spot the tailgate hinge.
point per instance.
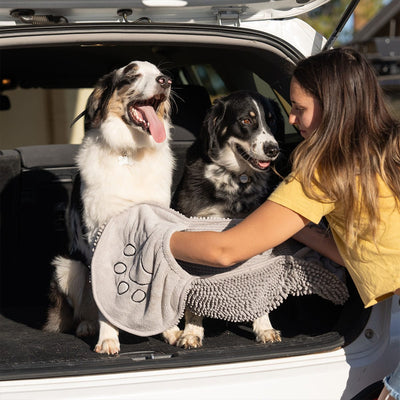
(124, 13)
(228, 15)
(28, 16)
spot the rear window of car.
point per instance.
(42, 107)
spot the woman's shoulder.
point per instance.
(290, 194)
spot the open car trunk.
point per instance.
(36, 180)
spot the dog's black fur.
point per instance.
(230, 186)
(79, 248)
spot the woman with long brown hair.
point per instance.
(347, 169)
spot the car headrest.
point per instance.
(189, 107)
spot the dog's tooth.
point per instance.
(138, 116)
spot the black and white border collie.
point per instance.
(124, 159)
(228, 173)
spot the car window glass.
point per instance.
(267, 91)
(47, 114)
(42, 116)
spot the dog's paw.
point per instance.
(190, 341)
(268, 336)
(108, 346)
(172, 335)
(87, 328)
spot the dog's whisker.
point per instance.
(174, 96)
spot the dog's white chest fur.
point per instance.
(112, 182)
(221, 179)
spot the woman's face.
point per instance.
(306, 112)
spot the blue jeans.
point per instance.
(392, 383)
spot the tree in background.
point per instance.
(365, 11)
(325, 18)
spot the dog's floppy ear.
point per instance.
(96, 107)
(212, 125)
(92, 116)
(274, 119)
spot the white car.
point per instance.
(51, 54)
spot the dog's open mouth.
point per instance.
(144, 114)
(255, 163)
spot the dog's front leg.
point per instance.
(172, 335)
(193, 334)
(108, 342)
(264, 331)
(87, 311)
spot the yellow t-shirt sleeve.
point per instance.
(290, 194)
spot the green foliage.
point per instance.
(325, 18)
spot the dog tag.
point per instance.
(243, 178)
(124, 160)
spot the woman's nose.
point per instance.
(292, 118)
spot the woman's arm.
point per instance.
(268, 226)
(319, 240)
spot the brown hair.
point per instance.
(357, 140)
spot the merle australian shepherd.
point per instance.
(124, 159)
(228, 173)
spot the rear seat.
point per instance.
(35, 183)
(189, 108)
(191, 103)
(10, 169)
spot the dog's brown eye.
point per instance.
(246, 121)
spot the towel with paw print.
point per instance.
(140, 288)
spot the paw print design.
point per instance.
(132, 275)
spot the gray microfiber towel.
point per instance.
(142, 289)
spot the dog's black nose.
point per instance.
(164, 81)
(271, 150)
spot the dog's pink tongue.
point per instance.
(263, 164)
(156, 127)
